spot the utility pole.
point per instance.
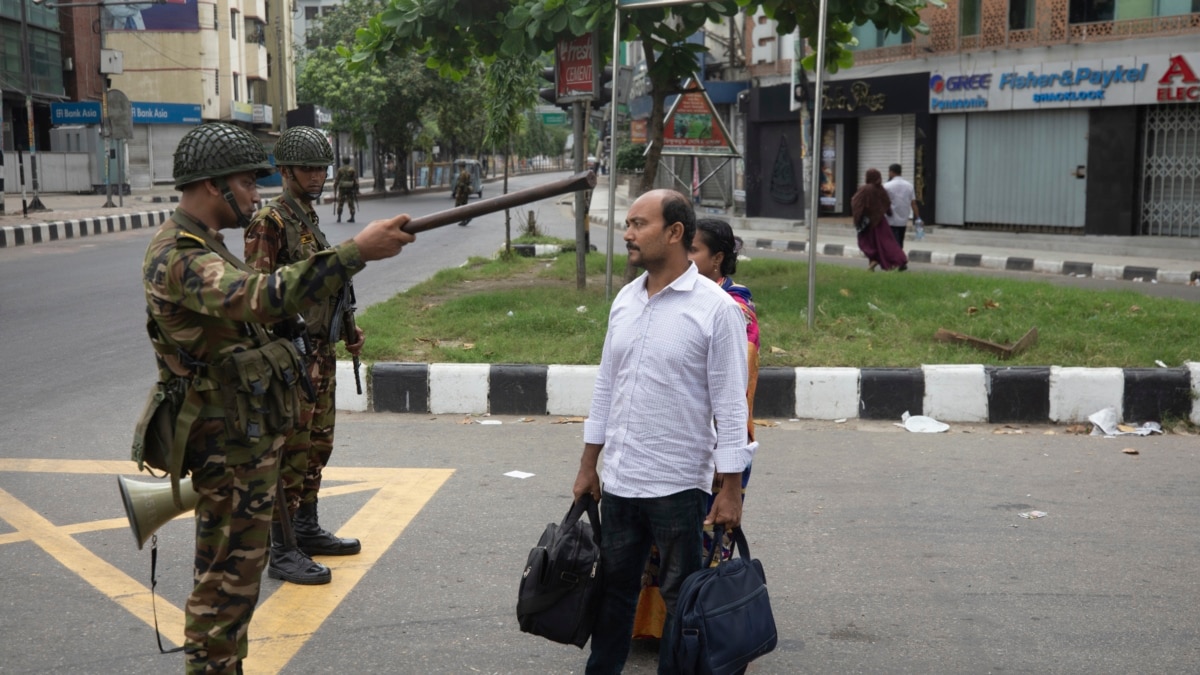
(280, 60)
(27, 68)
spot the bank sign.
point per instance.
(1131, 80)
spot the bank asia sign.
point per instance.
(1122, 81)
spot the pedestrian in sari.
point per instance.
(714, 252)
(870, 208)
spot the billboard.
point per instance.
(171, 15)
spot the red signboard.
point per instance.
(693, 127)
(576, 74)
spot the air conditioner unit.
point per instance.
(68, 64)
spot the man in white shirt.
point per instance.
(904, 203)
(674, 361)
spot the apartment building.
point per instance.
(1072, 116)
(178, 63)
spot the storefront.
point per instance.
(157, 130)
(866, 123)
(1100, 146)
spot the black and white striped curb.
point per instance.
(950, 393)
(38, 233)
(1005, 263)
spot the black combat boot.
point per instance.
(289, 563)
(314, 540)
(351, 218)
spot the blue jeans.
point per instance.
(629, 527)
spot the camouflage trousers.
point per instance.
(233, 528)
(306, 452)
(346, 197)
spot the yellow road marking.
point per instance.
(291, 614)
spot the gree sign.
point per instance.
(576, 69)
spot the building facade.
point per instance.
(177, 64)
(1073, 116)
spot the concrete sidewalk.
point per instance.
(1173, 260)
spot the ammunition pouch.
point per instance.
(259, 390)
(161, 435)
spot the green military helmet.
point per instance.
(217, 149)
(303, 146)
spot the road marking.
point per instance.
(285, 618)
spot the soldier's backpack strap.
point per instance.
(302, 214)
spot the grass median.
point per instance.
(524, 310)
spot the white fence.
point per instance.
(57, 172)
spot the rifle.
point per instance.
(296, 331)
(344, 325)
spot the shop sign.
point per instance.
(165, 113)
(81, 112)
(856, 97)
(1179, 83)
(241, 111)
(1141, 80)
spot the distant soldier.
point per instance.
(208, 314)
(345, 183)
(462, 189)
(283, 232)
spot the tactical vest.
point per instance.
(254, 389)
(320, 317)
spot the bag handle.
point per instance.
(739, 544)
(578, 507)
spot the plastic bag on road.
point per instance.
(922, 424)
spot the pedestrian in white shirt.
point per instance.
(904, 203)
(674, 361)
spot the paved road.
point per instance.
(886, 552)
(72, 319)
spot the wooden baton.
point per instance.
(585, 180)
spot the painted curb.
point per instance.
(24, 235)
(1135, 273)
(970, 393)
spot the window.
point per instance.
(1020, 14)
(233, 23)
(236, 89)
(1087, 11)
(969, 18)
(870, 37)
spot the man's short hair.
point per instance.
(894, 168)
(678, 209)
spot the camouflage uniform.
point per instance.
(345, 182)
(205, 305)
(277, 237)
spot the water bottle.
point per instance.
(920, 226)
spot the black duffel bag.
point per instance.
(723, 618)
(560, 590)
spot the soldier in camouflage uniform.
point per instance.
(207, 316)
(283, 232)
(345, 186)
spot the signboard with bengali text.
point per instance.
(693, 127)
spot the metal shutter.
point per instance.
(137, 172)
(1021, 168)
(164, 138)
(884, 140)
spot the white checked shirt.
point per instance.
(671, 363)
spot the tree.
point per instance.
(510, 90)
(452, 34)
